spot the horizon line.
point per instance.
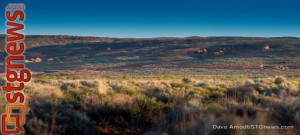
(197, 36)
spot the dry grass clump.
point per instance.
(280, 79)
(43, 90)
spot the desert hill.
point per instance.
(156, 56)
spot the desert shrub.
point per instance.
(263, 84)
(276, 90)
(106, 76)
(212, 89)
(251, 112)
(204, 85)
(288, 86)
(72, 96)
(240, 112)
(201, 90)
(127, 77)
(141, 113)
(53, 118)
(166, 77)
(285, 113)
(68, 86)
(148, 104)
(216, 92)
(123, 89)
(187, 80)
(184, 119)
(140, 85)
(242, 93)
(193, 94)
(181, 85)
(50, 80)
(89, 84)
(266, 92)
(40, 81)
(249, 82)
(79, 93)
(280, 79)
(159, 94)
(216, 95)
(295, 93)
(262, 100)
(131, 114)
(216, 108)
(89, 88)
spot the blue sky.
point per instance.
(160, 18)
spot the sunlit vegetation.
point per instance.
(163, 105)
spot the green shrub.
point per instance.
(68, 86)
(123, 89)
(159, 94)
(216, 95)
(149, 107)
(181, 85)
(72, 96)
(263, 100)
